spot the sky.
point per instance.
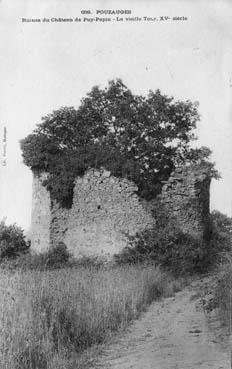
(46, 65)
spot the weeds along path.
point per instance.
(174, 333)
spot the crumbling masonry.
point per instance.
(107, 209)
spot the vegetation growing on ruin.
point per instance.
(142, 138)
(176, 251)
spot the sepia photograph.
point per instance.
(115, 184)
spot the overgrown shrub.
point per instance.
(175, 250)
(223, 292)
(221, 223)
(218, 248)
(166, 245)
(54, 258)
(181, 253)
(220, 245)
(12, 241)
(222, 252)
(58, 255)
(169, 247)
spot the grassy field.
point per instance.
(48, 319)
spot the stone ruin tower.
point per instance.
(107, 209)
(186, 198)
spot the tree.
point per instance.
(12, 241)
(142, 138)
(221, 222)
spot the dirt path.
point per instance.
(172, 334)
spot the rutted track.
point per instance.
(174, 333)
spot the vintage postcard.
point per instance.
(115, 174)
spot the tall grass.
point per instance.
(48, 318)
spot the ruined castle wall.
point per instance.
(41, 215)
(186, 199)
(105, 209)
(58, 223)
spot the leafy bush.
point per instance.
(218, 247)
(55, 258)
(222, 294)
(220, 243)
(221, 252)
(166, 245)
(169, 247)
(221, 223)
(12, 241)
